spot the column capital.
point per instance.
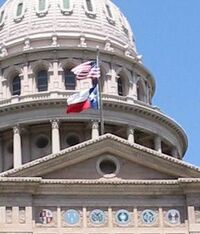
(130, 129)
(16, 129)
(95, 124)
(55, 123)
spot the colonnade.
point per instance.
(55, 135)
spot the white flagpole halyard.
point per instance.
(101, 117)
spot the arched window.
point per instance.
(140, 91)
(70, 79)
(109, 13)
(66, 4)
(16, 85)
(66, 7)
(2, 17)
(42, 80)
(41, 5)
(120, 86)
(89, 5)
(90, 8)
(19, 9)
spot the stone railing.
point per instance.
(65, 94)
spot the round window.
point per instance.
(108, 166)
(72, 140)
(42, 142)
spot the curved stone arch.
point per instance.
(103, 77)
(12, 71)
(39, 65)
(141, 89)
(68, 63)
(125, 77)
(126, 73)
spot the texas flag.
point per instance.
(83, 100)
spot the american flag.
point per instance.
(87, 70)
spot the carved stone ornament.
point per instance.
(55, 124)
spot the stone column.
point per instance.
(130, 134)
(1, 87)
(157, 144)
(1, 155)
(95, 129)
(24, 80)
(55, 136)
(134, 88)
(17, 149)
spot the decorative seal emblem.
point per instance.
(97, 217)
(173, 216)
(72, 217)
(122, 217)
(148, 216)
(46, 216)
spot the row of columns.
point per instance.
(55, 133)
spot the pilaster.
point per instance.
(55, 136)
(95, 129)
(17, 150)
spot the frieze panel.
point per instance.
(72, 217)
(148, 218)
(46, 216)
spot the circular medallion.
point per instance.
(71, 217)
(173, 216)
(97, 217)
(122, 217)
(46, 216)
(148, 216)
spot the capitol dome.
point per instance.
(41, 41)
(64, 24)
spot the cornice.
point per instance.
(110, 102)
(107, 137)
(39, 186)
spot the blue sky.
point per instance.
(167, 33)
(168, 36)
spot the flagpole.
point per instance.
(100, 98)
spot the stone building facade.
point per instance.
(58, 175)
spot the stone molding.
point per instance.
(111, 102)
(37, 185)
(132, 152)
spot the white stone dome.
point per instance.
(26, 24)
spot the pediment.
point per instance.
(80, 162)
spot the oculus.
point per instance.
(42, 141)
(108, 166)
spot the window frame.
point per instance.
(107, 7)
(42, 12)
(122, 93)
(64, 10)
(46, 78)
(16, 92)
(90, 13)
(18, 18)
(2, 20)
(65, 79)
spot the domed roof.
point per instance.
(66, 23)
